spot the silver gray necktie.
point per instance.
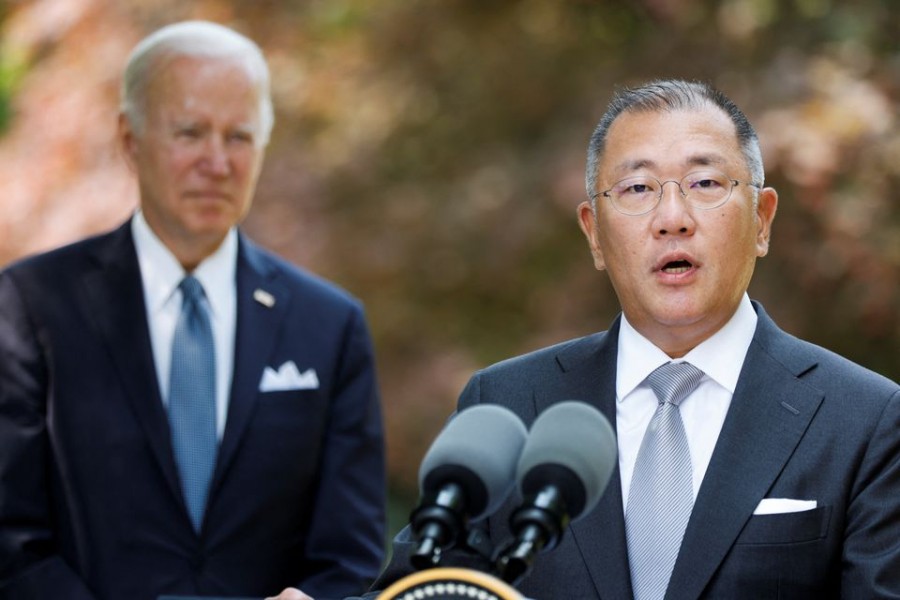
(661, 495)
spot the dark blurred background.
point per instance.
(428, 156)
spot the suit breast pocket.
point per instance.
(786, 528)
(291, 411)
(285, 434)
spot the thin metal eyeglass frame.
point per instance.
(734, 184)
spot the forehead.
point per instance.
(188, 84)
(670, 140)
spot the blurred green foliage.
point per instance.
(10, 72)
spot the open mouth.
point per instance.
(677, 266)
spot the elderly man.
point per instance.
(750, 464)
(182, 413)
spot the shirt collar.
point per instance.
(720, 357)
(161, 272)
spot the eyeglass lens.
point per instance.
(703, 189)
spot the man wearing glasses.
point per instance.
(751, 464)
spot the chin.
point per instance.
(210, 223)
(677, 308)
(675, 321)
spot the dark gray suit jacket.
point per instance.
(804, 423)
(90, 500)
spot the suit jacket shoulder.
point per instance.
(70, 260)
(575, 369)
(300, 281)
(816, 365)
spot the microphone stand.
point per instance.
(437, 523)
(538, 524)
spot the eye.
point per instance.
(634, 187)
(706, 181)
(189, 132)
(240, 137)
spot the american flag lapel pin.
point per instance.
(264, 298)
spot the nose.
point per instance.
(662, 187)
(216, 161)
(673, 215)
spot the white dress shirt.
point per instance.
(721, 358)
(161, 273)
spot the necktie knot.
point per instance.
(673, 382)
(191, 289)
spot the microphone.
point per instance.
(466, 474)
(565, 466)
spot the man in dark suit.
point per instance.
(108, 489)
(792, 484)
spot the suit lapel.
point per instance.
(114, 283)
(589, 374)
(262, 304)
(770, 411)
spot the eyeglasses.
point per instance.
(702, 189)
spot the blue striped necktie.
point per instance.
(192, 399)
(661, 496)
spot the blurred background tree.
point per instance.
(428, 156)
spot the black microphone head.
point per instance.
(477, 450)
(571, 446)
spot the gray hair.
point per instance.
(195, 39)
(672, 94)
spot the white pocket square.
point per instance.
(778, 506)
(288, 377)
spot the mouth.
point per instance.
(676, 267)
(676, 263)
(214, 194)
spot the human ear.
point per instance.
(127, 140)
(766, 206)
(587, 220)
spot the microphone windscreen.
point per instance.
(478, 450)
(572, 446)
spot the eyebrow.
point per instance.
(249, 128)
(696, 160)
(243, 127)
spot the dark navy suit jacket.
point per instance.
(90, 504)
(804, 423)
